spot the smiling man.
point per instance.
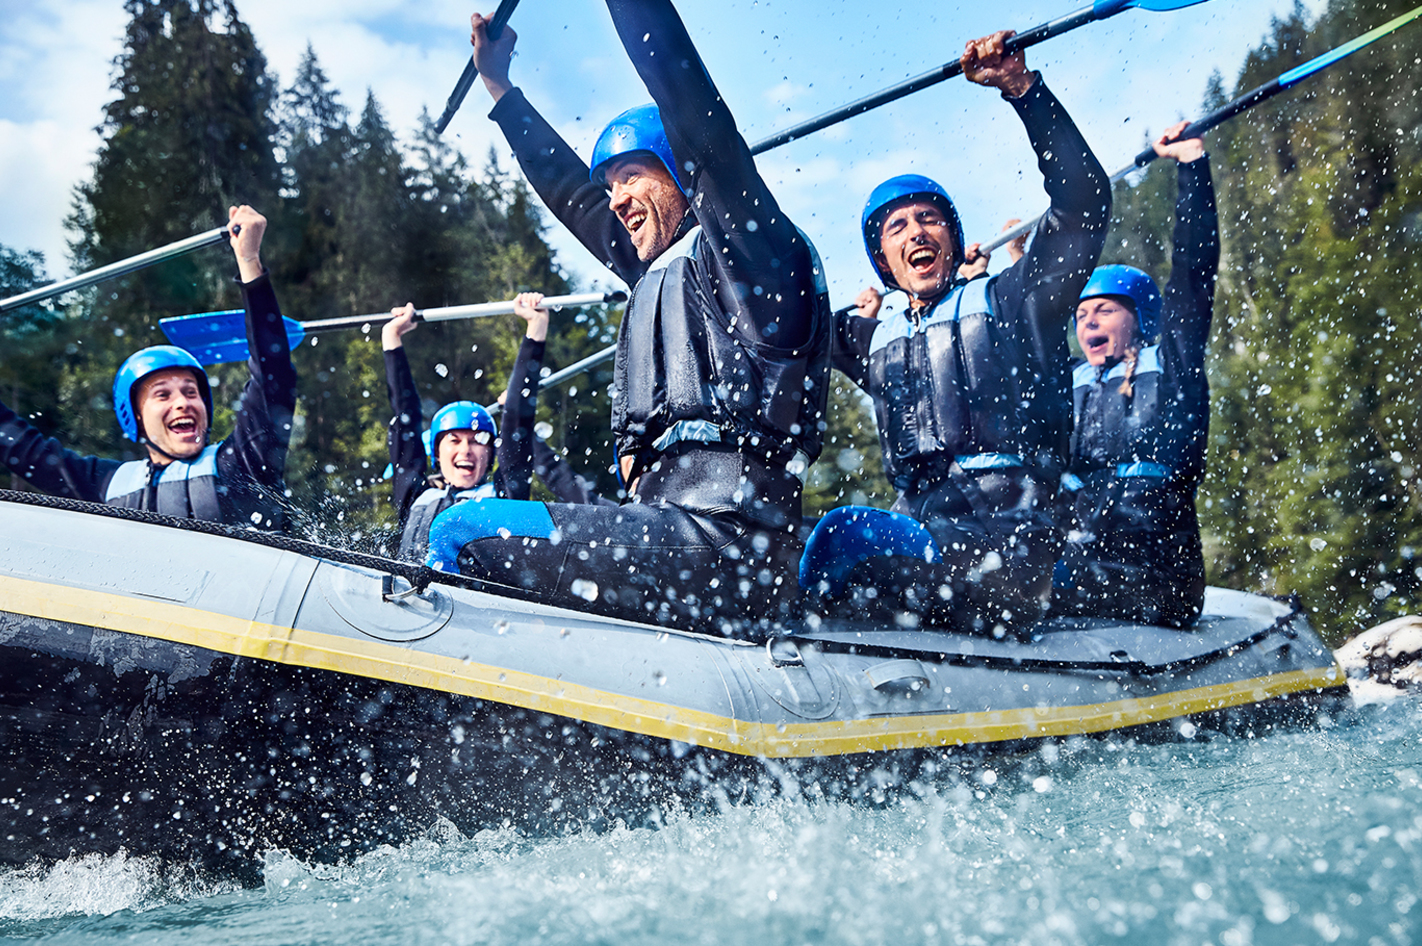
(164, 403)
(971, 384)
(722, 356)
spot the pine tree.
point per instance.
(1312, 484)
(187, 136)
(36, 339)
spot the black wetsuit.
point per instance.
(722, 363)
(970, 395)
(1134, 549)
(417, 499)
(238, 481)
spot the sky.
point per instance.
(776, 62)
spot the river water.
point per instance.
(1297, 837)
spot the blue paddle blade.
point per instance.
(219, 338)
(1105, 8)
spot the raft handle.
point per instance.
(783, 653)
(907, 675)
(388, 592)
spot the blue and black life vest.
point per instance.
(195, 489)
(185, 489)
(684, 373)
(954, 385)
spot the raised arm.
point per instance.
(257, 447)
(1071, 235)
(769, 264)
(515, 468)
(1195, 259)
(407, 447)
(554, 169)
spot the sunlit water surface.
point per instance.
(1307, 837)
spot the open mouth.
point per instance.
(634, 220)
(1097, 344)
(466, 466)
(183, 427)
(922, 258)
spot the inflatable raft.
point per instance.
(173, 687)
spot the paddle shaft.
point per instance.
(121, 268)
(1243, 103)
(564, 374)
(450, 313)
(471, 72)
(943, 73)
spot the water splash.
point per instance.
(1301, 837)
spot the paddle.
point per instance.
(471, 72)
(564, 374)
(554, 379)
(1246, 101)
(122, 268)
(1099, 10)
(216, 338)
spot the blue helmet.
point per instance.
(459, 415)
(139, 366)
(637, 129)
(907, 187)
(1134, 285)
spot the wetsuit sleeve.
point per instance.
(48, 465)
(768, 265)
(1041, 289)
(255, 454)
(407, 447)
(515, 471)
(1190, 296)
(850, 347)
(560, 178)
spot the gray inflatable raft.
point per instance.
(174, 689)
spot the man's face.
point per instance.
(647, 201)
(171, 414)
(464, 457)
(1105, 329)
(916, 247)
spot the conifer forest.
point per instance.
(1314, 464)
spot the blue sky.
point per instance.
(775, 61)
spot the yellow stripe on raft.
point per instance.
(386, 662)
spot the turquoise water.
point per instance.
(1305, 837)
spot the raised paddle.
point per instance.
(216, 338)
(121, 268)
(1246, 101)
(1099, 10)
(471, 71)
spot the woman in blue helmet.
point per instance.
(164, 403)
(969, 387)
(464, 441)
(1142, 417)
(722, 356)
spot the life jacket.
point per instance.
(953, 388)
(185, 489)
(414, 541)
(683, 374)
(1136, 459)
